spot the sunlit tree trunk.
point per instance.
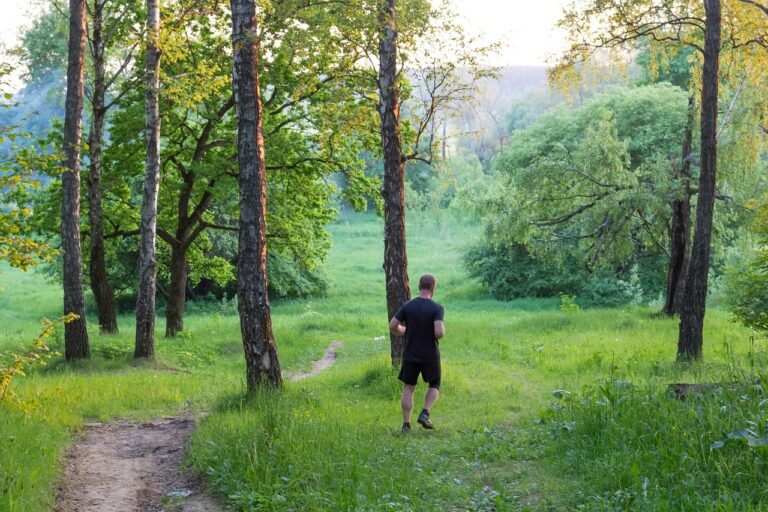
(262, 365)
(75, 332)
(395, 256)
(145, 305)
(102, 290)
(690, 342)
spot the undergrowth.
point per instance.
(643, 444)
(614, 440)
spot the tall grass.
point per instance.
(332, 442)
(636, 447)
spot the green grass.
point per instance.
(503, 442)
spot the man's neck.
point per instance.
(425, 294)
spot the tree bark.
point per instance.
(75, 332)
(190, 225)
(690, 342)
(145, 305)
(395, 255)
(174, 312)
(262, 365)
(102, 290)
(680, 225)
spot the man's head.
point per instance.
(427, 283)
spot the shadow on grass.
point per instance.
(249, 401)
(100, 364)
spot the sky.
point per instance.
(526, 28)
(14, 15)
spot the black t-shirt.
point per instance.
(419, 316)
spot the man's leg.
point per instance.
(430, 397)
(406, 402)
(432, 375)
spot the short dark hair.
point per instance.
(427, 282)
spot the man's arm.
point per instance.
(396, 326)
(439, 329)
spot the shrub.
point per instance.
(511, 272)
(14, 364)
(746, 293)
(289, 279)
(746, 288)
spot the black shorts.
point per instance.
(429, 370)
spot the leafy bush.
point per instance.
(289, 279)
(511, 272)
(746, 288)
(568, 304)
(14, 364)
(746, 293)
(609, 289)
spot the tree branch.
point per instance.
(202, 142)
(728, 113)
(760, 6)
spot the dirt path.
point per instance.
(134, 467)
(131, 467)
(321, 364)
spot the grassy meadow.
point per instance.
(541, 409)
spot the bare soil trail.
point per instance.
(321, 364)
(125, 466)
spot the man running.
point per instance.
(420, 320)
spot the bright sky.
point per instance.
(527, 28)
(14, 15)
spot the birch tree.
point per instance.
(145, 304)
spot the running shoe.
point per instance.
(424, 420)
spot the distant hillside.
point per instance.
(513, 83)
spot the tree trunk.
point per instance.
(690, 342)
(680, 225)
(680, 253)
(102, 290)
(261, 360)
(145, 305)
(190, 225)
(75, 332)
(395, 256)
(174, 313)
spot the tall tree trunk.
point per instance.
(75, 332)
(262, 365)
(689, 345)
(102, 290)
(395, 256)
(680, 225)
(174, 312)
(189, 224)
(145, 305)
